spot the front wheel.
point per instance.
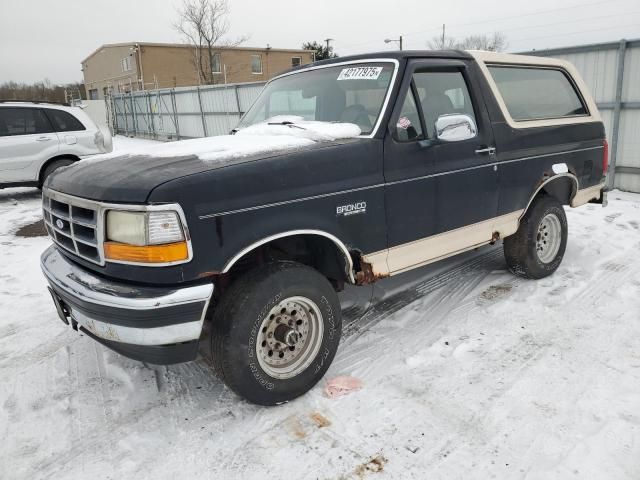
(536, 249)
(275, 332)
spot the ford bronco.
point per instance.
(341, 173)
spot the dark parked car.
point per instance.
(342, 173)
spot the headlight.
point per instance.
(145, 237)
(127, 227)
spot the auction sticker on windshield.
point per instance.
(360, 73)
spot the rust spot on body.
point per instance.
(366, 275)
(208, 274)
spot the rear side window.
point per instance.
(537, 93)
(23, 121)
(64, 121)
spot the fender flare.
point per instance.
(337, 242)
(546, 182)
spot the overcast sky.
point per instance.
(48, 38)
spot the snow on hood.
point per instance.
(293, 126)
(257, 139)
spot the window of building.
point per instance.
(296, 61)
(216, 64)
(537, 93)
(126, 63)
(23, 121)
(63, 121)
(256, 64)
(93, 94)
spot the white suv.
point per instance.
(37, 138)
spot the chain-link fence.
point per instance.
(180, 113)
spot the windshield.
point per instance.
(351, 93)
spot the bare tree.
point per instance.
(204, 24)
(495, 42)
(43, 91)
(442, 43)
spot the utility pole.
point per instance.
(443, 29)
(328, 40)
(400, 42)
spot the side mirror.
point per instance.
(455, 127)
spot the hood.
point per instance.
(131, 176)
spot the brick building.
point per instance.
(123, 67)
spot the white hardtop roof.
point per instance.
(514, 58)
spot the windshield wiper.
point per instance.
(287, 123)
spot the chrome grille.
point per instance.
(73, 224)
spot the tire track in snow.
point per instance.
(356, 327)
(442, 295)
(43, 352)
(617, 271)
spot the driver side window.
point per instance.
(442, 93)
(409, 126)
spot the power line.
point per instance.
(530, 14)
(578, 32)
(599, 17)
(493, 20)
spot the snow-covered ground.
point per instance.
(474, 375)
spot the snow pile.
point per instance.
(216, 149)
(263, 138)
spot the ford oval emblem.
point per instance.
(59, 223)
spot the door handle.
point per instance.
(489, 150)
(43, 139)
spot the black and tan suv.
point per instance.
(342, 173)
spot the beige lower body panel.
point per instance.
(421, 252)
(587, 194)
(431, 249)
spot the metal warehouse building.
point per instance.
(612, 71)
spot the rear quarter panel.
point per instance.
(527, 151)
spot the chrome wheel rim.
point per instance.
(290, 337)
(548, 238)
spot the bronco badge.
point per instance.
(351, 209)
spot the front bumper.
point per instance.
(159, 325)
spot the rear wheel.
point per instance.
(537, 248)
(275, 332)
(53, 166)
